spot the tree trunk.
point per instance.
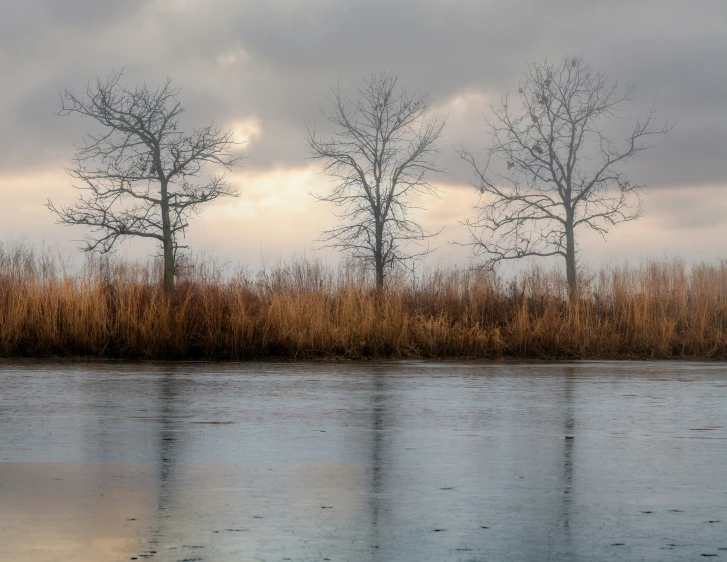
(168, 241)
(379, 257)
(168, 262)
(379, 267)
(379, 276)
(570, 263)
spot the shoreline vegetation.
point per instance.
(665, 309)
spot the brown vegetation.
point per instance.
(110, 309)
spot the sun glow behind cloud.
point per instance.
(245, 131)
(233, 57)
(276, 216)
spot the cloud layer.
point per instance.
(262, 67)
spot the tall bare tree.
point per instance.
(557, 170)
(381, 150)
(141, 175)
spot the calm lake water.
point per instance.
(410, 461)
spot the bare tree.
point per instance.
(141, 176)
(558, 169)
(381, 151)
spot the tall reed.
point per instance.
(659, 309)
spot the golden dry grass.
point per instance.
(663, 309)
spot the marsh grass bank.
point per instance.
(109, 309)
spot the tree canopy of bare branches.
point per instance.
(142, 175)
(557, 170)
(380, 153)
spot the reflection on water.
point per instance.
(381, 462)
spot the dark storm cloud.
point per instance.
(274, 59)
(26, 24)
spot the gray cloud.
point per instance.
(28, 27)
(689, 209)
(274, 59)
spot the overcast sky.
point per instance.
(262, 67)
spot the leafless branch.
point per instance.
(382, 149)
(141, 176)
(559, 170)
